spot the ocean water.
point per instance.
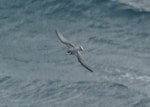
(35, 72)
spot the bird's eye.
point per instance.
(68, 51)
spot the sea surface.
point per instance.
(35, 72)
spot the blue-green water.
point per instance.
(35, 72)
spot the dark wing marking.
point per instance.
(82, 62)
(63, 40)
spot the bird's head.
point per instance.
(81, 48)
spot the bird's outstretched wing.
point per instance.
(63, 40)
(82, 62)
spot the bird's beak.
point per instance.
(66, 53)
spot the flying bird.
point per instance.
(73, 50)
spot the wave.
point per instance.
(3, 79)
(119, 7)
(93, 9)
(57, 92)
(74, 10)
(129, 8)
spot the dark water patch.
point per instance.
(104, 41)
(13, 4)
(120, 91)
(119, 9)
(118, 86)
(65, 9)
(3, 79)
(143, 35)
(123, 9)
(15, 59)
(145, 102)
